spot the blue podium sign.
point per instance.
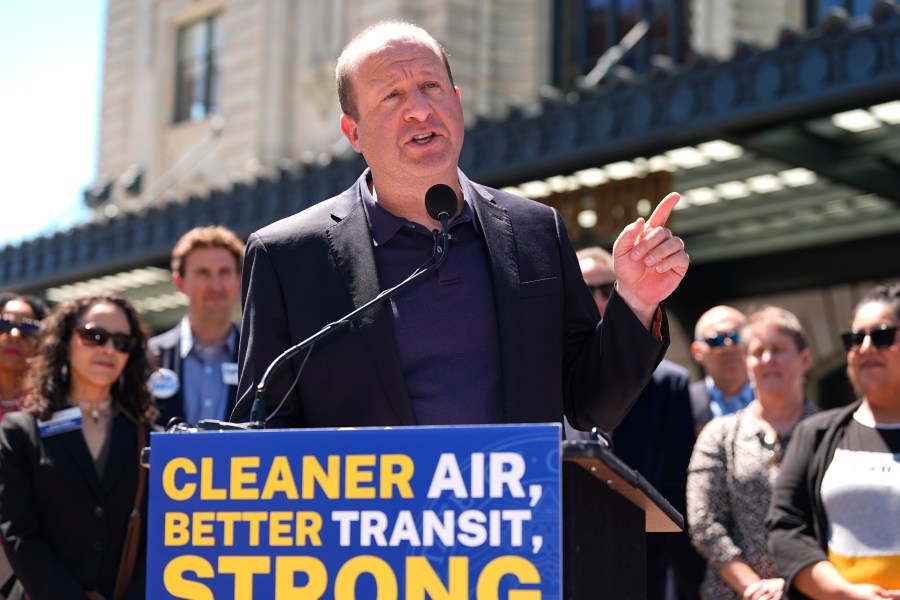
(415, 513)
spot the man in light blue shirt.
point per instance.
(204, 374)
(717, 348)
(197, 378)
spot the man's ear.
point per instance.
(806, 359)
(458, 93)
(178, 280)
(350, 130)
(696, 351)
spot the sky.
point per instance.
(50, 70)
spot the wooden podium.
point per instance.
(607, 510)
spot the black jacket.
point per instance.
(797, 523)
(63, 527)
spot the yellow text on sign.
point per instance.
(421, 580)
(354, 476)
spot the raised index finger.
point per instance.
(663, 210)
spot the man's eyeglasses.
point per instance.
(882, 336)
(28, 328)
(719, 339)
(97, 336)
(604, 288)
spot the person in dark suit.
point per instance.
(505, 331)
(655, 438)
(67, 492)
(725, 389)
(197, 359)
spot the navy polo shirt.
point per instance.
(445, 325)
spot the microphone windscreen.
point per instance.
(439, 199)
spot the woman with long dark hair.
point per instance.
(69, 461)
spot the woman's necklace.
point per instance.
(7, 404)
(95, 408)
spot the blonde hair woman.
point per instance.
(737, 458)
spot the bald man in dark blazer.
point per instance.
(504, 332)
(310, 269)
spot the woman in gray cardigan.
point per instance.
(737, 457)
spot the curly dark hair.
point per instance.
(45, 387)
(37, 305)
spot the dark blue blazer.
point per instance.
(310, 269)
(700, 403)
(656, 437)
(165, 349)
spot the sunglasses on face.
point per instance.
(604, 288)
(719, 339)
(97, 336)
(882, 336)
(28, 328)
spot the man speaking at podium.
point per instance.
(505, 331)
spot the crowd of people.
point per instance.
(780, 501)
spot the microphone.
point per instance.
(440, 202)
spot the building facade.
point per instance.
(197, 94)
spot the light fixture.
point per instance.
(659, 163)
(702, 195)
(720, 150)
(535, 189)
(643, 207)
(798, 177)
(560, 184)
(621, 170)
(587, 218)
(889, 112)
(855, 120)
(732, 190)
(687, 158)
(591, 177)
(764, 184)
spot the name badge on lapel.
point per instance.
(61, 421)
(229, 373)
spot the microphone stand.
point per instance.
(258, 409)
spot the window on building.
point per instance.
(197, 79)
(585, 29)
(855, 8)
(817, 10)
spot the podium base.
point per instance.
(604, 543)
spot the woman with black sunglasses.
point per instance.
(69, 461)
(20, 328)
(834, 523)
